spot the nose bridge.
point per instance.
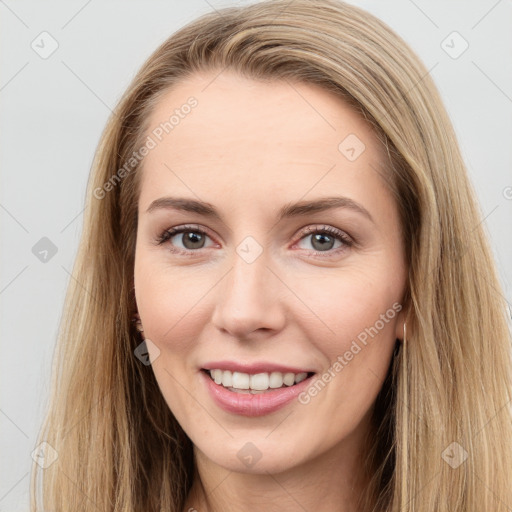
(247, 300)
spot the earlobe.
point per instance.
(400, 326)
(138, 324)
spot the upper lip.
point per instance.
(253, 368)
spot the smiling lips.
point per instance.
(253, 402)
(259, 376)
(264, 379)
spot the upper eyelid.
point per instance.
(314, 228)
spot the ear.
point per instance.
(138, 324)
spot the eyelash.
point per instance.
(166, 235)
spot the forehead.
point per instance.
(246, 136)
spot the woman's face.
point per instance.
(288, 261)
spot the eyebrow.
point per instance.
(289, 210)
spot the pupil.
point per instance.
(322, 239)
(193, 240)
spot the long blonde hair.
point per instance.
(119, 446)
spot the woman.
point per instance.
(285, 297)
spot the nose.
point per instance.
(248, 299)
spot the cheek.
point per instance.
(169, 304)
(170, 309)
(361, 308)
(356, 338)
(345, 306)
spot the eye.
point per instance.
(323, 239)
(190, 237)
(326, 238)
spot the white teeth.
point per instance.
(240, 380)
(255, 382)
(300, 377)
(289, 379)
(217, 376)
(276, 380)
(258, 382)
(227, 378)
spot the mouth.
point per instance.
(256, 383)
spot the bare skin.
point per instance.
(249, 148)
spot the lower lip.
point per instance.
(247, 404)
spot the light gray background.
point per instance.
(53, 111)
